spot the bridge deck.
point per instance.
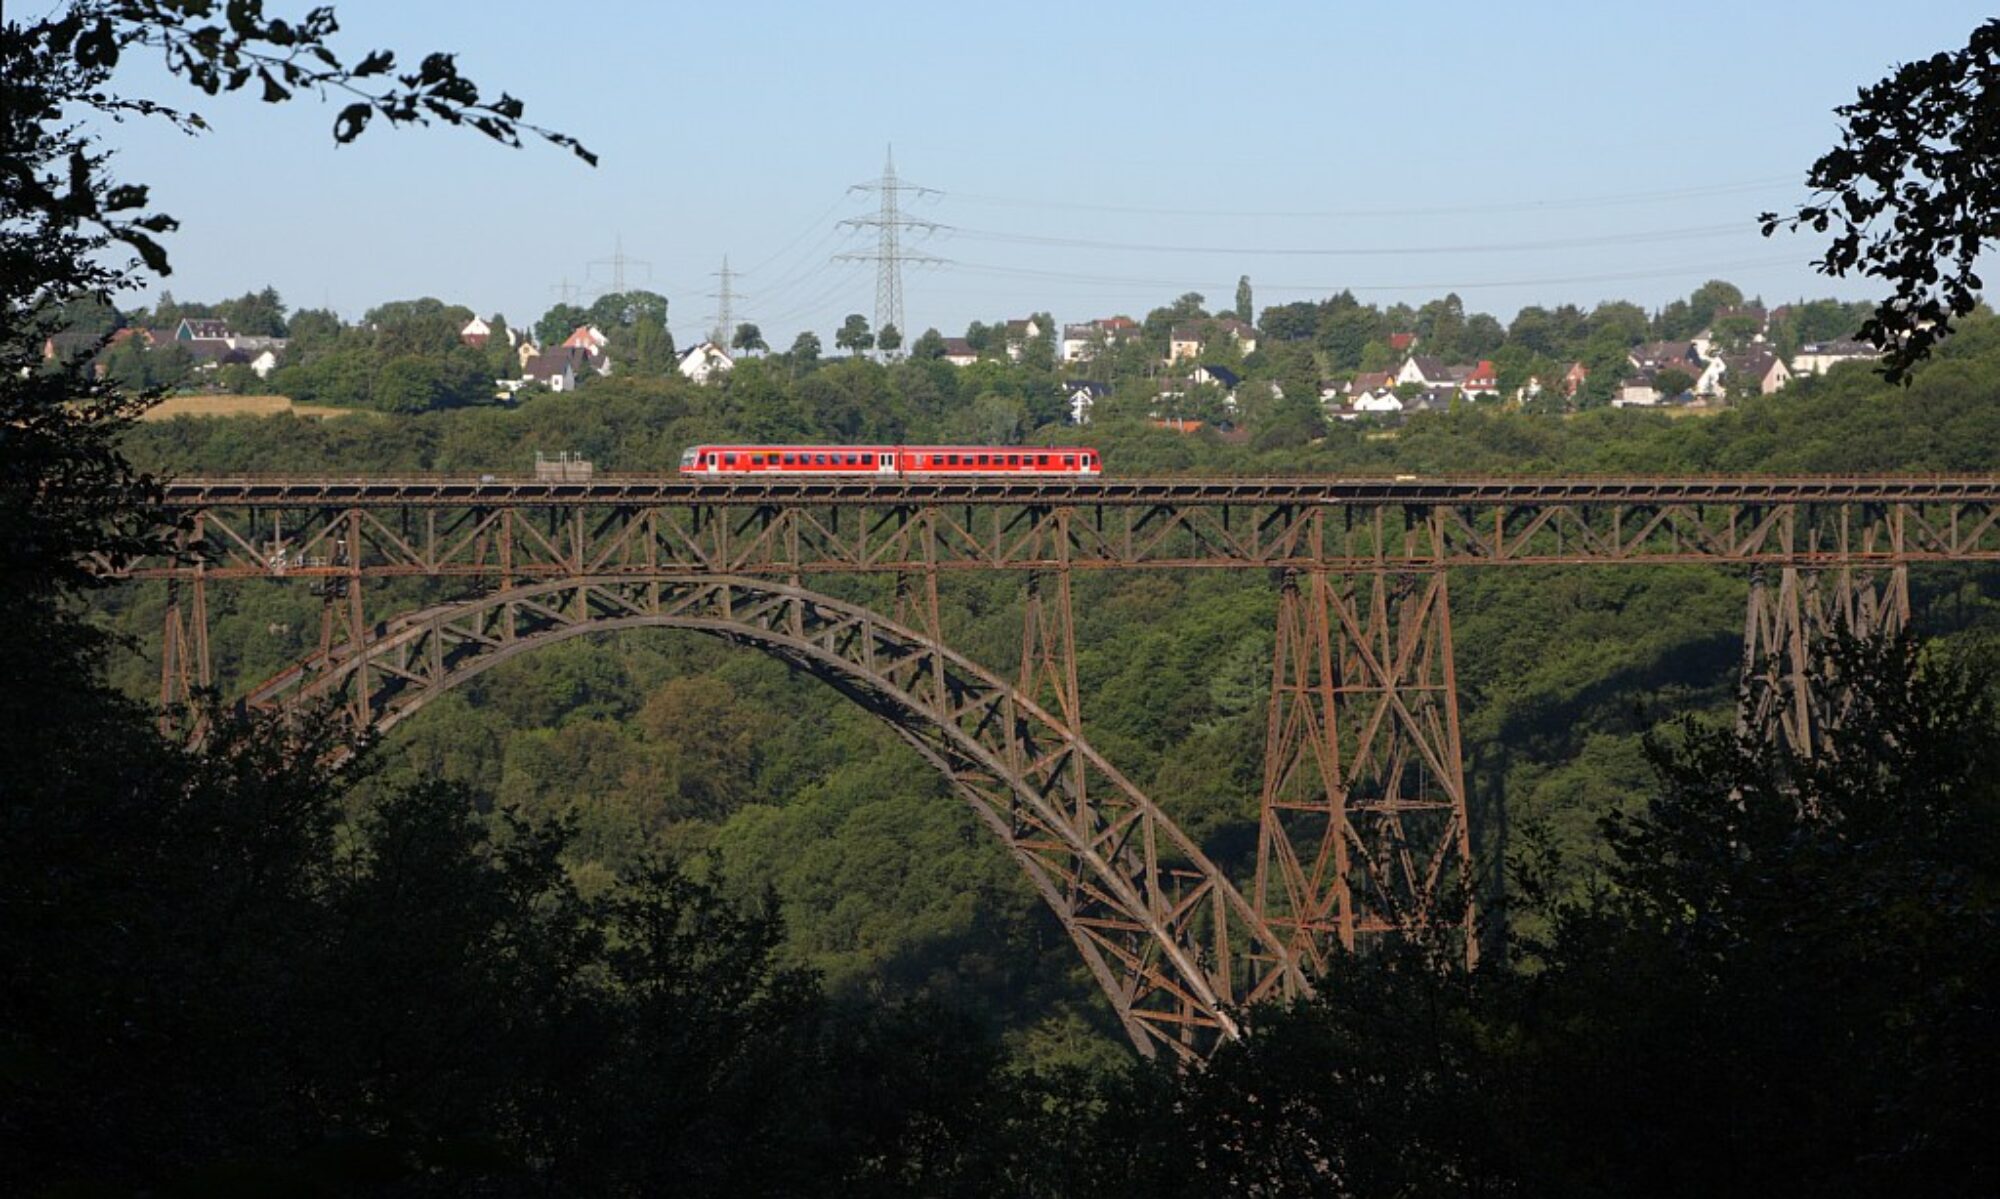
(626, 490)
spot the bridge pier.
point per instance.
(1785, 695)
(1363, 810)
(185, 666)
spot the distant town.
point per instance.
(1179, 365)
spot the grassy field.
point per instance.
(220, 405)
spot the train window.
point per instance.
(849, 460)
(729, 460)
(1013, 460)
(867, 459)
(788, 459)
(819, 459)
(951, 459)
(1069, 459)
(1042, 460)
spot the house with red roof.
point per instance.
(1482, 382)
(1081, 341)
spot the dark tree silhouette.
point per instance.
(1912, 194)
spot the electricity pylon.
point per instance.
(889, 256)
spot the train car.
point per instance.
(916, 460)
(790, 460)
(998, 460)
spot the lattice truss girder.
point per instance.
(558, 541)
(1164, 932)
(1364, 826)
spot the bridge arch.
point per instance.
(1171, 941)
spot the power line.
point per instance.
(817, 223)
(1029, 273)
(807, 305)
(1556, 205)
(812, 265)
(1689, 233)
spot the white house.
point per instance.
(1636, 392)
(705, 361)
(1080, 342)
(1708, 383)
(1757, 369)
(1218, 376)
(1424, 371)
(1376, 403)
(475, 333)
(959, 352)
(1368, 381)
(1185, 340)
(1020, 333)
(555, 370)
(1243, 335)
(1817, 358)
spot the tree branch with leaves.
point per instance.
(1912, 194)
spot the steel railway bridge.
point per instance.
(1364, 828)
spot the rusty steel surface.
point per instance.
(1365, 817)
(1162, 930)
(1789, 694)
(1364, 822)
(515, 530)
(613, 490)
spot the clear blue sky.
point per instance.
(1092, 158)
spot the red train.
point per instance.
(890, 460)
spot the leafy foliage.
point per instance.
(1911, 195)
